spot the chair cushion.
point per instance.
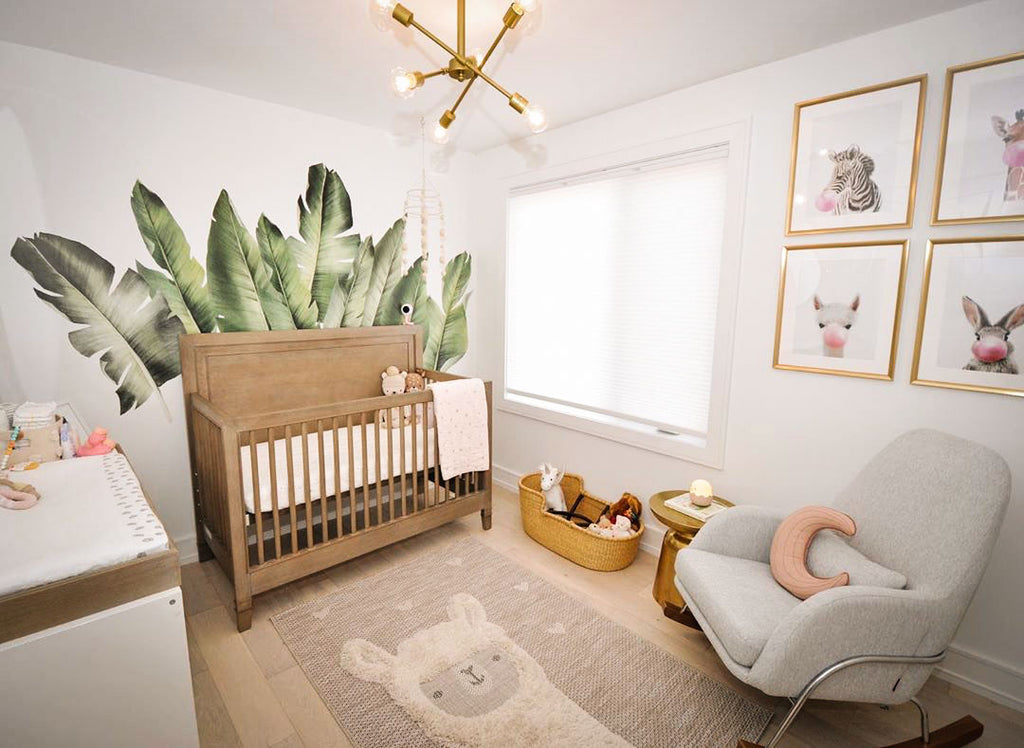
(739, 599)
(830, 555)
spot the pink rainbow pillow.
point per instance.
(793, 540)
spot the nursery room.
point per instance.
(512, 373)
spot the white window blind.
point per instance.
(612, 290)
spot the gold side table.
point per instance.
(681, 530)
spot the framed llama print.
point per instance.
(972, 315)
(981, 153)
(839, 308)
(854, 159)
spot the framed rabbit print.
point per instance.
(854, 159)
(980, 177)
(971, 321)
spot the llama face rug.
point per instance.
(458, 645)
(466, 683)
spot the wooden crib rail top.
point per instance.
(287, 370)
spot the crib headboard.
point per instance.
(264, 372)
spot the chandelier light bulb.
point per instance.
(536, 118)
(528, 6)
(403, 83)
(441, 135)
(384, 7)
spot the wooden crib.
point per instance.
(294, 466)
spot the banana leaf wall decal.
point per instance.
(138, 335)
(326, 278)
(240, 285)
(184, 290)
(284, 274)
(448, 328)
(323, 254)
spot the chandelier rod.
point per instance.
(481, 63)
(410, 21)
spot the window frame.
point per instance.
(709, 451)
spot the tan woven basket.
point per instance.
(578, 544)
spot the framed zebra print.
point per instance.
(855, 157)
(972, 316)
(839, 308)
(980, 176)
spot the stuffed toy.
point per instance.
(628, 506)
(414, 382)
(17, 495)
(551, 487)
(98, 443)
(392, 382)
(604, 527)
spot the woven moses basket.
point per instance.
(578, 544)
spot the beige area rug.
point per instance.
(461, 646)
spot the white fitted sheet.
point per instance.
(299, 486)
(91, 514)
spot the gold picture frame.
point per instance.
(908, 219)
(889, 369)
(922, 315)
(940, 169)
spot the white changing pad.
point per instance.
(91, 514)
(281, 463)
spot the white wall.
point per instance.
(793, 438)
(74, 137)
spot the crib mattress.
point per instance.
(392, 469)
(91, 514)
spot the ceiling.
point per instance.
(575, 57)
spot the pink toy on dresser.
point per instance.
(97, 444)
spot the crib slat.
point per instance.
(426, 461)
(256, 503)
(366, 472)
(337, 481)
(403, 500)
(323, 480)
(273, 493)
(415, 470)
(391, 474)
(307, 493)
(376, 463)
(351, 478)
(289, 461)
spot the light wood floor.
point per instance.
(250, 691)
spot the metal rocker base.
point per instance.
(962, 732)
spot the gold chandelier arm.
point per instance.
(481, 63)
(461, 58)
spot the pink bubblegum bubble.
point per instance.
(989, 350)
(1013, 156)
(825, 201)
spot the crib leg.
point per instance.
(485, 517)
(243, 615)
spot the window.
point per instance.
(613, 294)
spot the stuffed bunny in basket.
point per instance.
(551, 487)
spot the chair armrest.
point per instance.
(740, 532)
(845, 622)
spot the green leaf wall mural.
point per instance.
(325, 277)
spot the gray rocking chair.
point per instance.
(929, 506)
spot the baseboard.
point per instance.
(984, 675)
(188, 552)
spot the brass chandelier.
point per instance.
(462, 67)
